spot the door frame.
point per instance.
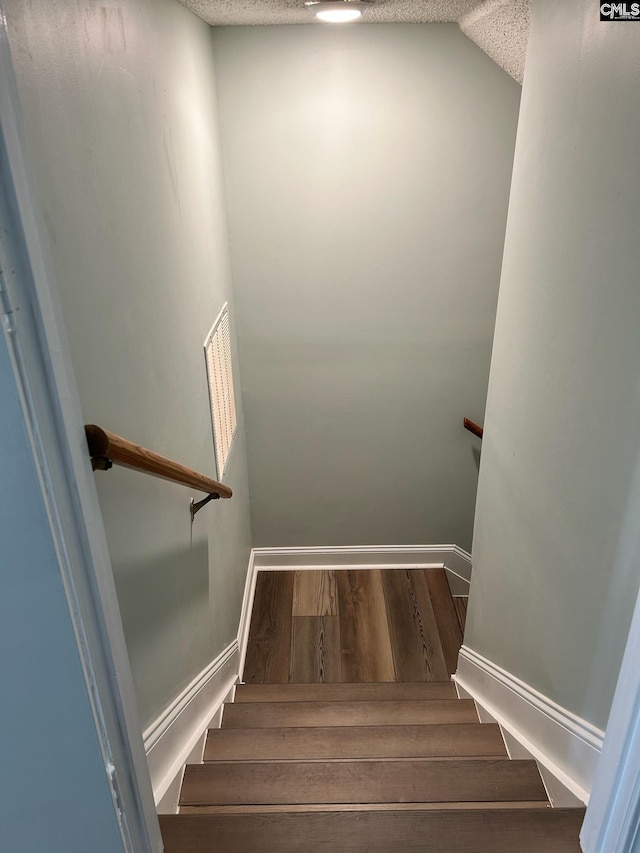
(612, 822)
(33, 328)
(34, 331)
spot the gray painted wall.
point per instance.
(367, 173)
(556, 548)
(120, 110)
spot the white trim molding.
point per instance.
(453, 559)
(613, 815)
(174, 736)
(457, 565)
(245, 613)
(565, 744)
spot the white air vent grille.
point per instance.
(217, 349)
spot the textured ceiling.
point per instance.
(501, 30)
(499, 27)
(230, 12)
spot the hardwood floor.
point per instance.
(377, 625)
(269, 646)
(460, 603)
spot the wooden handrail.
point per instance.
(474, 428)
(105, 445)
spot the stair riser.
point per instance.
(288, 808)
(455, 780)
(291, 714)
(474, 739)
(395, 691)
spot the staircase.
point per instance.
(362, 767)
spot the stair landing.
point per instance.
(353, 626)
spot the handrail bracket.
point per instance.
(101, 463)
(196, 506)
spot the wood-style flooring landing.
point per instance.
(374, 625)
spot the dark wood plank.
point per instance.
(315, 652)
(364, 632)
(445, 615)
(460, 603)
(249, 715)
(269, 646)
(416, 831)
(314, 593)
(405, 781)
(423, 690)
(415, 642)
(435, 741)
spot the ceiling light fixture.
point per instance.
(338, 11)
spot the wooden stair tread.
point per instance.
(345, 781)
(361, 713)
(460, 739)
(345, 691)
(288, 808)
(450, 830)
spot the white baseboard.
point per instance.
(176, 736)
(565, 744)
(458, 568)
(245, 613)
(455, 561)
